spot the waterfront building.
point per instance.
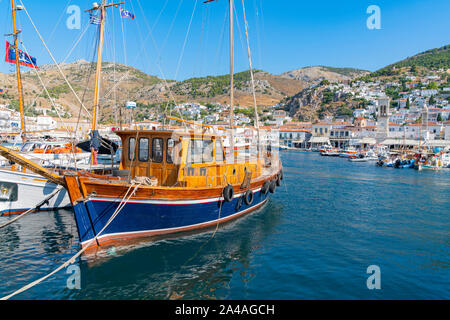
(383, 118)
(294, 137)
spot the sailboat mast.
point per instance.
(231, 79)
(19, 78)
(99, 65)
(231, 65)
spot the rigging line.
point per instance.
(59, 21)
(57, 65)
(158, 64)
(208, 14)
(46, 91)
(159, 15)
(239, 28)
(251, 70)
(124, 48)
(76, 43)
(221, 200)
(258, 33)
(263, 31)
(170, 28)
(218, 57)
(185, 40)
(199, 49)
(90, 72)
(122, 204)
(114, 67)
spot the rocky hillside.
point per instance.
(315, 103)
(314, 75)
(137, 86)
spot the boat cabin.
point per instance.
(184, 159)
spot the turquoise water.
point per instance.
(325, 225)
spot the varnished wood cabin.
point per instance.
(184, 159)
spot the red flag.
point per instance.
(24, 59)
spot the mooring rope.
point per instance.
(32, 209)
(122, 204)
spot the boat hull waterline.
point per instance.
(146, 218)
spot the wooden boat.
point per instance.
(190, 184)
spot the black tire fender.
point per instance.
(228, 193)
(248, 197)
(273, 186)
(265, 187)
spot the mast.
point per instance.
(231, 77)
(97, 90)
(95, 138)
(231, 65)
(99, 65)
(19, 78)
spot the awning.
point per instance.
(437, 143)
(366, 140)
(299, 141)
(319, 140)
(400, 142)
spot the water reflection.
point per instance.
(197, 266)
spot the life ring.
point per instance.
(273, 186)
(228, 193)
(248, 197)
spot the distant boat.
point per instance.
(330, 153)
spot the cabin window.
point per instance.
(157, 150)
(143, 149)
(219, 151)
(200, 151)
(132, 149)
(170, 150)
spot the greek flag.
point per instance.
(93, 19)
(126, 14)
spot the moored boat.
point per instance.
(190, 184)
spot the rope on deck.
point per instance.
(122, 204)
(37, 207)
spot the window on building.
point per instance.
(157, 150)
(143, 149)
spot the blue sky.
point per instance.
(284, 35)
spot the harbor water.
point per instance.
(329, 221)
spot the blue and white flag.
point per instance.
(126, 14)
(93, 19)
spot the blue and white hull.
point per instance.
(146, 218)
